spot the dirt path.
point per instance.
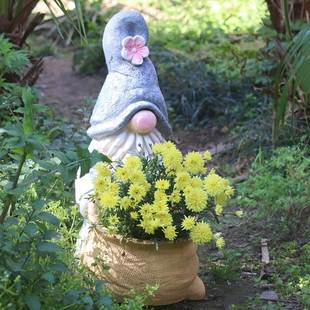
(66, 91)
(63, 89)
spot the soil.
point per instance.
(66, 91)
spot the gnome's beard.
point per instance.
(125, 143)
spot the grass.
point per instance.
(276, 198)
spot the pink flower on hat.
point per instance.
(134, 49)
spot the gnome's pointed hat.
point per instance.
(131, 84)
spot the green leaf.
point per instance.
(303, 75)
(106, 301)
(49, 277)
(59, 267)
(51, 234)
(31, 229)
(96, 157)
(88, 301)
(11, 221)
(38, 204)
(14, 266)
(48, 247)
(29, 100)
(33, 302)
(99, 285)
(49, 218)
(281, 106)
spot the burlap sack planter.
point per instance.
(132, 264)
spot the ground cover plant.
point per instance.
(276, 198)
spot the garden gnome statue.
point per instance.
(130, 113)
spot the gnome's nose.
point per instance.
(143, 122)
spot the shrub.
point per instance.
(38, 164)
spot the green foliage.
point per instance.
(90, 59)
(39, 158)
(194, 94)
(11, 60)
(12, 63)
(279, 188)
(192, 25)
(226, 267)
(275, 198)
(292, 275)
(293, 79)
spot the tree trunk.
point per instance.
(298, 10)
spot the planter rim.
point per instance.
(103, 230)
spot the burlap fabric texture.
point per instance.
(132, 264)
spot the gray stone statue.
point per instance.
(130, 113)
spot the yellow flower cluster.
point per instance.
(154, 201)
(219, 240)
(201, 233)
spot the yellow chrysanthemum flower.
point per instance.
(220, 242)
(162, 184)
(136, 192)
(146, 209)
(165, 219)
(155, 223)
(100, 184)
(175, 196)
(102, 169)
(168, 145)
(201, 233)
(136, 176)
(188, 222)
(113, 220)
(214, 184)
(218, 210)
(196, 199)
(239, 213)
(122, 174)
(112, 187)
(160, 197)
(196, 182)
(147, 227)
(170, 232)
(158, 148)
(229, 191)
(207, 155)
(194, 163)
(182, 180)
(134, 215)
(108, 200)
(125, 203)
(133, 162)
(112, 230)
(159, 207)
(172, 160)
(221, 198)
